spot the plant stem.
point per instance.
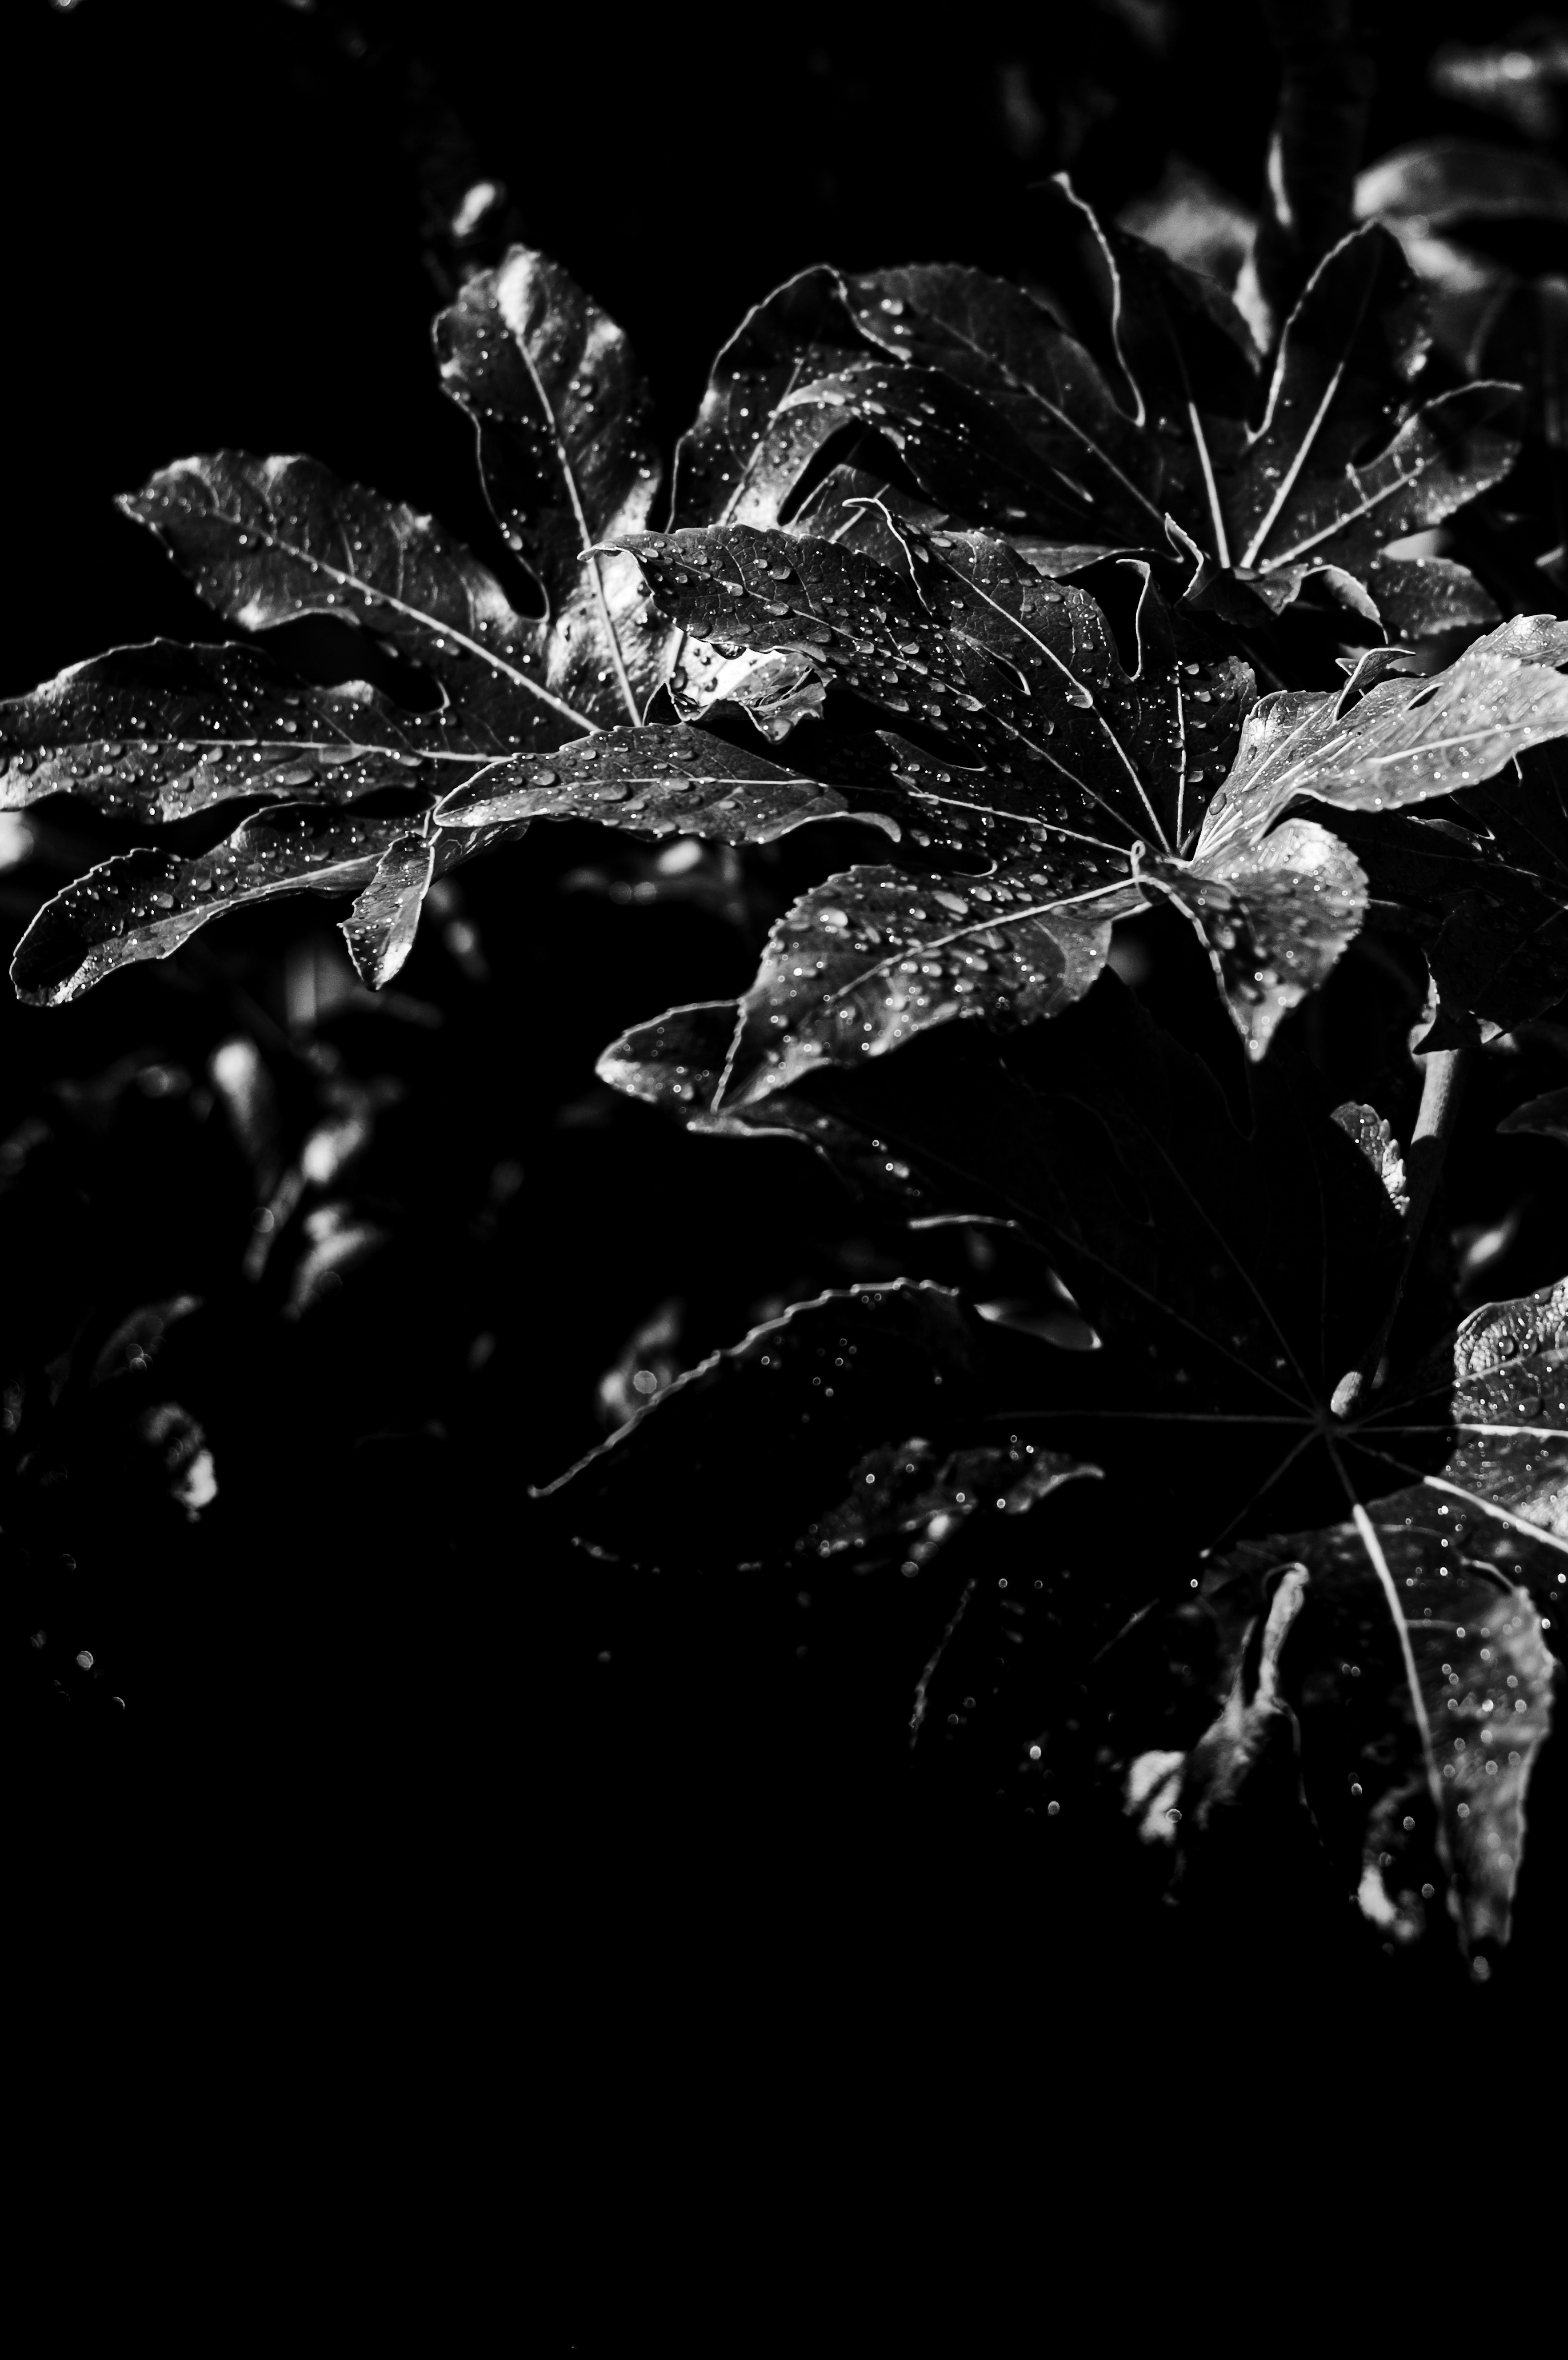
(1442, 1080)
(1325, 95)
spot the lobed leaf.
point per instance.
(1404, 741)
(561, 412)
(655, 781)
(144, 904)
(263, 540)
(159, 731)
(998, 342)
(738, 1459)
(1422, 1613)
(747, 454)
(872, 957)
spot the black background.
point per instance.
(366, 1716)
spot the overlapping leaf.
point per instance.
(747, 454)
(1422, 1613)
(1068, 789)
(159, 731)
(567, 461)
(696, 1478)
(1003, 416)
(144, 904)
(1406, 1641)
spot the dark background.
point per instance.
(364, 1693)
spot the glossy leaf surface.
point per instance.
(564, 451)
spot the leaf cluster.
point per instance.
(1028, 590)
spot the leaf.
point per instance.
(655, 781)
(1482, 880)
(1372, 1133)
(159, 731)
(1195, 1247)
(734, 1462)
(1253, 1739)
(1275, 921)
(963, 450)
(567, 459)
(1403, 742)
(905, 1486)
(379, 930)
(1075, 781)
(1547, 1116)
(263, 540)
(747, 454)
(1422, 1611)
(1416, 596)
(144, 904)
(1349, 353)
(997, 341)
(870, 957)
(1438, 183)
(775, 690)
(676, 1061)
(1455, 447)
(1181, 345)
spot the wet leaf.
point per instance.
(1404, 741)
(744, 457)
(266, 540)
(1422, 1614)
(994, 339)
(1481, 879)
(144, 904)
(676, 1061)
(871, 958)
(655, 781)
(560, 411)
(961, 449)
(159, 731)
(1416, 596)
(380, 928)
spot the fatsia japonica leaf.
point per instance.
(567, 460)
(655, 781)
(745, 456)
(144, 904)
(379, 930)
(1421, 1614)
(740, 1460)
(1064, 770)
(994, 339)
(266, 540)
(1192, 1245)
(910, 1486)
(159, 731)
(1416, 596)
(1152, 414)
(1480, 878)
(1079, 785)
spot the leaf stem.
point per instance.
(1443, 1081)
